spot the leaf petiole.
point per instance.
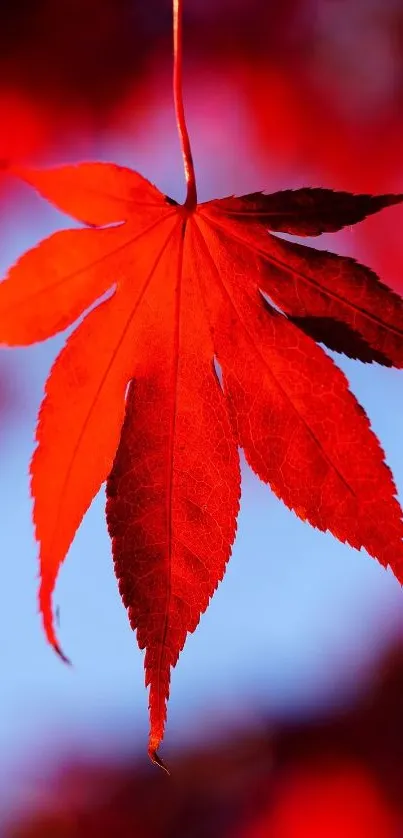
(191, 196)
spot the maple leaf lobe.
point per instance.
(308, 211)
(306, 283)
(134, 399)
(286, 411)
(341, 338)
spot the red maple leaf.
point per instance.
(134, 397)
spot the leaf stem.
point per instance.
(191, 197)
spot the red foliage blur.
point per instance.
(331, 799)
(337, 778)
(321, 83)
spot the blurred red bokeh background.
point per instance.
(341, 777)
(320, 83)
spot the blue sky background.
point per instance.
(298, 622)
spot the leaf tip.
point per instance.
(156, 759)
(45, 608)
(391, 199)
(59, 651)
